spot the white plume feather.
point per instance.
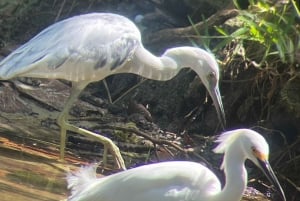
(79, 179)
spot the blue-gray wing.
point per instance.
(74, 48)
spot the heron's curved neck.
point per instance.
(149, 66)
(236, 176)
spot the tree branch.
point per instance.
(182, 34)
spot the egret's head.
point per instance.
(258, 150)
(252, 146)
(206, 67)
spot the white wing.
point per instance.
(168, 181)
(74, 47)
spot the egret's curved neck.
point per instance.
(149, 66)
(236, 176)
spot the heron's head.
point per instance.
(206, 67)
(250, 145)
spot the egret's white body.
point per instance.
(90, 47)
(179, 180)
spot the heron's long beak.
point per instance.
(266, 168)
(216, 98)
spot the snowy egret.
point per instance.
(180, 181)
(90, 47)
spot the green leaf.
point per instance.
(222, 31)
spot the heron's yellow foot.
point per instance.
(108, 143)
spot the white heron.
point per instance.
(180, 180)
(90, 47)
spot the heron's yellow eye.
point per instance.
(211, 75)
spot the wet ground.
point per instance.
(30, 168)
(29, 173)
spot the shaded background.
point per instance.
(265, 98)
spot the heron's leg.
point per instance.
(107, 91)
(108, 143)
(129, 90)
(62, 121)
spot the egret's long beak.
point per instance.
(266, 168)
(216, 98)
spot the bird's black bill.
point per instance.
(265, 166)
(216, 97)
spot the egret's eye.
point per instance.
(259, 154)
(254, 151)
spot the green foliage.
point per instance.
(272, 25)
